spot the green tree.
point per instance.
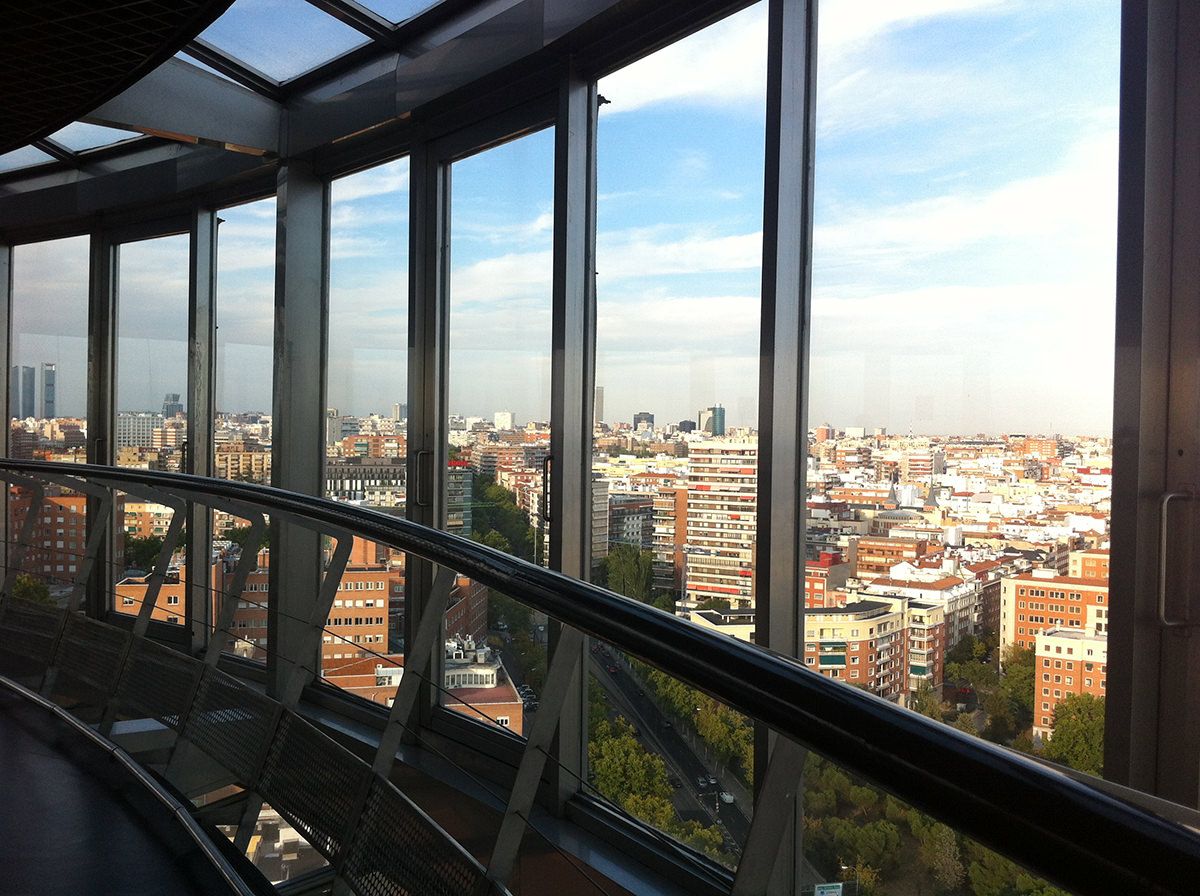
(939, 853)
(496, 541)
(1018, 682)
(1078, 739)
(628, 571)
(865, 877)
(239, 534)
(965, 721)
(141, 553)
(926, 702)
(1002, 722)
(968, 649)
(26, 587)
(990, 874)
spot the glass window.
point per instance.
(281, 38)
(151, 404)
(501, 214)
(366, 421)
(245, 332)
(675, 459)
(48, 400)
(963, 258)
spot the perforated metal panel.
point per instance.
(64, 57)
(158, 683)
(232, 724)
(398, 851)
(314, 784)
(28, 632)
(88, 661)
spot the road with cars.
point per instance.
(698, 793)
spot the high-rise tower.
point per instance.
(49, 376)
(21, 390)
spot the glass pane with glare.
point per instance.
(501, 213)
(151, 428)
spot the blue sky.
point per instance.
(963, 253)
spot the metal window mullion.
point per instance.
(6, 346)
(571, 377)
(201, 417)
(428, 310)
(783, 389)
(103, 280)
(298, 411)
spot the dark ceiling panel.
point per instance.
(59, 59)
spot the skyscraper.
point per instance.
(171, 405)
(598, 410)
(49, 375)
(21, 390)
(643, 417)
(712, 420)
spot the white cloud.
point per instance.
(1070, 207)
(391, 177)
(847, 24)
(725, 64)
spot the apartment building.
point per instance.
(876, 556)
(669, 537)
(863, 643)
(1039, 600)
(824, 578)
(1090, 564)
(722, 504)
(1067, 661)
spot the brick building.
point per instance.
(1068, 661)
(1038, 600)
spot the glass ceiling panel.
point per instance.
(23, 158)
(398, 10)
(79, 135)
(184, 57)
(281, 38)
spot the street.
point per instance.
(660, 735)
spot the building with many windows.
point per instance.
(722, 507)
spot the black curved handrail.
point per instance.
(1074, 835)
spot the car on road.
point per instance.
(673, 780)
(612, 670)
(701, 781)
(666, 723)
(531, 705)
(712, 780)
(726, 796)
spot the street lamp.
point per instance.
(846, 868)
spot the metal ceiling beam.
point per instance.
(360, 19)
(246, 75)
(50, 148)
(184, 102)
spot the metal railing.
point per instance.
(1074, 835)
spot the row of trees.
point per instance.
(635, 779)
(874, 838)
(629, 571)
